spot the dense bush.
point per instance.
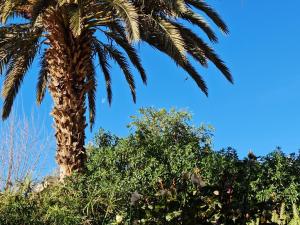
(165, 172)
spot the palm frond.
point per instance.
(14, 78)
(173, 35)
(42, 80)
(15, 37)
(129, 14)
(177, 6)
(39, 8)
(200, 22)
(187, 66)
(179, 60)
(76, 20)
(162, 8)
(210, 12)
(6, 8)
(14, 8)
(103, 62)
(131, 52)
(91, 92)
(63, 2)
(119, 58)
(167, 34)
(5, 58)
(208, 52)
(20, 45)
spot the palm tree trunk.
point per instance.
(66, 87)
(66, 60)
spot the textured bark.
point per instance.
(67, 58)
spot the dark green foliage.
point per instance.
(165, 172)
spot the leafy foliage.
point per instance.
(164, 172)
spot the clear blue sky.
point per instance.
(259, 112)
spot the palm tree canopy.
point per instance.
(116, 26)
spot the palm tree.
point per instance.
(72, 36)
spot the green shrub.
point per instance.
(164, 172)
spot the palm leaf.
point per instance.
(103, 62)
(200, 22)
(39, 8)
(208, 52)
(4, 60)
(167, 34)
(179, 60)
(6, 8)
(19, 57)
(131, 52)
(42, 79)
(119, 58)
(128, 13)
(63, 2)
(14, 78)
(91, 92)
(210, 12)
(76, 20)
(173, 35)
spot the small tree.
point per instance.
(24, 149)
